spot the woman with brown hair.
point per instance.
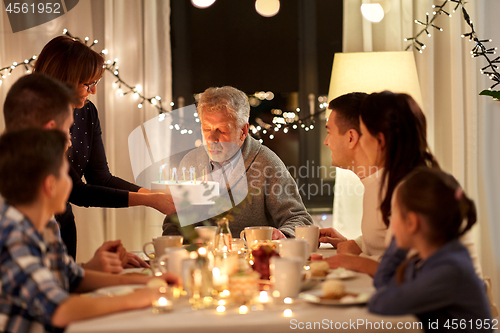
(394, 138)
(80, 67)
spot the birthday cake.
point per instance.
(198, 192)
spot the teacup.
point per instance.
(206, 233)
(163, 242)
(173, 258)
(286, 275)
(252, 234)
(294, 248)
(310, 233)
(187, 267)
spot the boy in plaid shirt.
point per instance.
(37, 275)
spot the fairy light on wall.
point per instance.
(124, 88)
(285, 121)
(479, 49)
(27, 64)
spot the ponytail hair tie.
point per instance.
(459, 193)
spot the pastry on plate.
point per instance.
(319, 268)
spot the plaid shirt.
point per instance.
(36, 273)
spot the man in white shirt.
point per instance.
(343, 141)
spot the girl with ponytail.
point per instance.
(429, 212)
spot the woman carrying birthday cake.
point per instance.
(80, 67)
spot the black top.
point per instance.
(88, 158)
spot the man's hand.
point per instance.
(330, 235)
(278, 234)
(348, 247)
(106, 259)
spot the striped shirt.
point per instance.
(36, 273)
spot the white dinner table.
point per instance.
(305, 316)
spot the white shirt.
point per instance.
(374, 239)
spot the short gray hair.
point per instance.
(231, 101)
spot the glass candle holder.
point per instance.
(164, 302)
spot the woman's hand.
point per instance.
(353, 263)
(162, 202)
(330, 235)
(348, 247)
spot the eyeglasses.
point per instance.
(91, 85)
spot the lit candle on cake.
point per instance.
(174, 174)
(184, 173)
(161, 171)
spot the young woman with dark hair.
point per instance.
(394, 138)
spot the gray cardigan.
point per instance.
(275, 199)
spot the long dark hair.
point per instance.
(70, 61)
(399, 118)
(439, 199)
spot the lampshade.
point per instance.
(374, 72)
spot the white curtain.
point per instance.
(138, 34)
(462, 126)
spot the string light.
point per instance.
(26, 63)
(479, 49)
(285, 120)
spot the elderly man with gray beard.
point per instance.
(254, 182)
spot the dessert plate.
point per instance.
(117, 290)
(340, 274)
(316, 296)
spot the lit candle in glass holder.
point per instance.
(263, 297)
(224, 294)
(162, 304)
(238, 245)
(243, 309)
(219, 278)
